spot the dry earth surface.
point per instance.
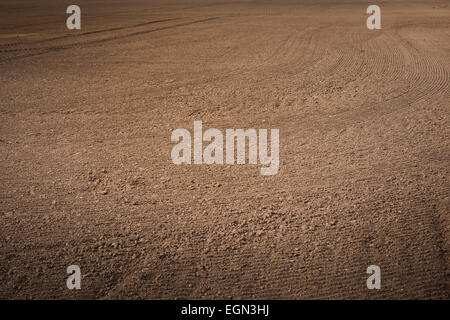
(87, 177)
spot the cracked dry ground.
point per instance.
(87, 178)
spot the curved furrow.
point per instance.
(430, 77)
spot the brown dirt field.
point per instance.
(87, 178)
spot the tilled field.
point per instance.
(85, 142)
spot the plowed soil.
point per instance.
(87, 177)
